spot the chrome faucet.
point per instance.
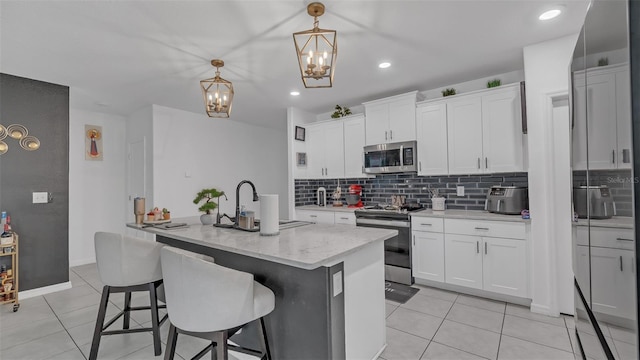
(255, 198)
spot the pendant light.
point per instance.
(316, 50)
(217, 93)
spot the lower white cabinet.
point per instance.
(428, 255)
(326, 216)
(492, 264)
(504, 266)
(316, 216)
(463, 260)
(612, 279)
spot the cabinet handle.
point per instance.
(623, 239)
(425, 224)
(485, 248)
(385, 135)
(420, 165)
(344, 218)
(414, 240)
(481, 228)
(613, 156)
(313, 216)
(326, 171)
(391, 134)
(322, 171)
(478, 163)
(621, 263)
(486, 163)
(478, 247)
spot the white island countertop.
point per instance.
(469, 214)
(307, 247)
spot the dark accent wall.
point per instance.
(43, 228)
(414, 187)
(620, 183)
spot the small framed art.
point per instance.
(301, 159)
(299, 133)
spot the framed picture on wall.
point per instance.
(301, 159)
(299, 133)
(93, 142)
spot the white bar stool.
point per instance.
(127, 264)
(212, 302)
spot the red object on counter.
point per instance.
(356, 190)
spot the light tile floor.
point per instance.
(434, 324)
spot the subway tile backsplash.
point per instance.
(415, 188)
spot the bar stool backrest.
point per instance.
(202, 296)
(126, 260)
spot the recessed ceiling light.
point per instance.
(384, 65)
(548, 15)
(294, 93)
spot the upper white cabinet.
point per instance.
(325, 150)
(485, 132)
(606, 116)
(391, 119)
(354, 142)
(431, 125)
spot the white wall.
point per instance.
(192, 151)
(96, 188)
(295, 117)
(546, 70)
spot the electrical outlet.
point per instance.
(40, 197)
(460, 190)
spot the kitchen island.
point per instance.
(328, 281)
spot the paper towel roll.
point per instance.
(269, 215)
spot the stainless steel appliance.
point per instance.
(397, 250)
(605, 122)
(390, 158)
(321, 195)
(594, 202)
(510, 200)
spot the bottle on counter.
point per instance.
(7, 235)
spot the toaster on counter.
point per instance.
(510, 200)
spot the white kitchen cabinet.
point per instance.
(487, 255)
(463, 260)
(502, 131)
(325, 150)
(485, 132)
(431, 126)
(606, 116)
(391, 119)
(354, 142)
(606, 270)
(428, 248)
(346, 218)
(504, 267)
(464, 123)
(316, 216)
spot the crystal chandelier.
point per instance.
(217, 93)
(316, 50)
(20, 133)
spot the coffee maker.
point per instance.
(354, 196)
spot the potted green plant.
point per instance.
(166, 214)
(340, 112)
(209, 205)
(448, 92)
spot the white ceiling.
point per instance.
(118, 56)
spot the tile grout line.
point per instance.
(439, 326)
(64, 327)
(504, 315)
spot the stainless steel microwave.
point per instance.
(390, 158)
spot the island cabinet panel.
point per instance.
(308, 321)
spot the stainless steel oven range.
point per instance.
(397, 250)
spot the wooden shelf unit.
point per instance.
(13, 293)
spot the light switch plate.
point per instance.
(41, 197)
(460, 190)
(337, 283)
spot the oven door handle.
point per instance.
(389, 223)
